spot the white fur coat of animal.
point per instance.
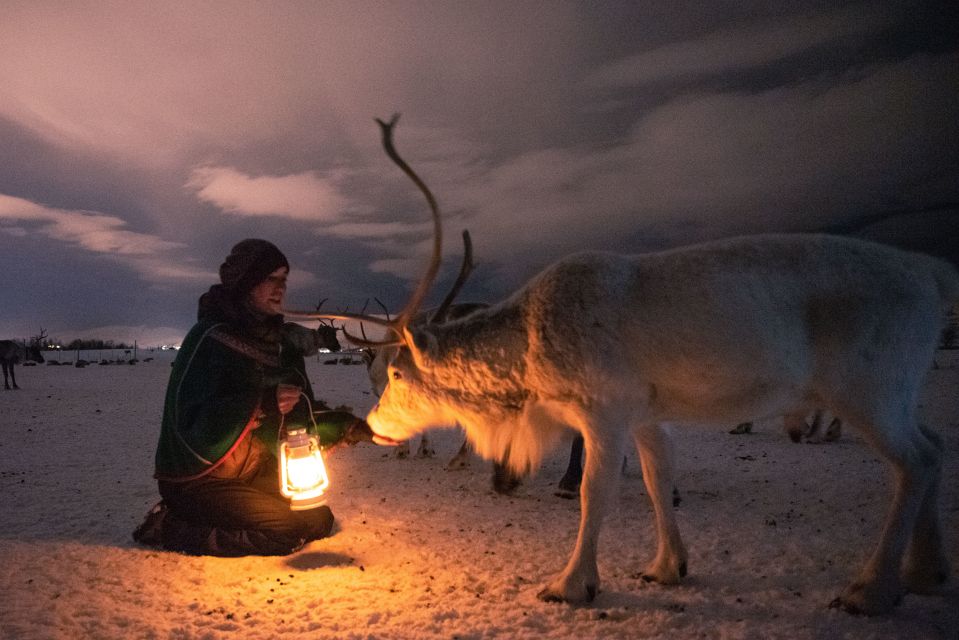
(614, 346)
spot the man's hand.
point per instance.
(358, 431)
(287, 395)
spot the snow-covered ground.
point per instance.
(774, 531)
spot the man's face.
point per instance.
(267, 297)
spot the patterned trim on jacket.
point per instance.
(247, 348)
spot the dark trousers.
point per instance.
(213, 516)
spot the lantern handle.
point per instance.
(281, 431)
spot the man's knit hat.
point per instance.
(249, 263)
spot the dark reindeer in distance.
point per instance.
(326, 331)
(328, 340)
(13, 352)
(614, 346)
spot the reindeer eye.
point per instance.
(397, 375)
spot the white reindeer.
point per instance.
(613, 346)
(13, 352)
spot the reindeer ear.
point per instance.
(422, 345)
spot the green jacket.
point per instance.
(221, 404)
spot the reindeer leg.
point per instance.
(6, 385)
(795, 425)
(656, 456)
(504, 480)
(834, 430)
(569, 484)
(462, 458)
(424, 450)
(579, 581)
(403, 450)
(916, 462)
(815, 434)
(926, 567)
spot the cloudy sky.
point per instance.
(140, 140)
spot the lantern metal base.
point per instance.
(304, 503)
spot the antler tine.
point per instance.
(366, 303)
(465, 269)
(383, 307)
(343, 315)
(363, 342)
(403, 319)
(320, 304)
(347, 315)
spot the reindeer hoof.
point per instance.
(925, 582)
(570, 590)
(866, 600)
(504, 480)
(850, 607)
(649, 577)
(664, 575)
(742, 428)
(505, 486)
(548, 596)
(837, 603)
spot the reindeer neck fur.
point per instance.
(482, 358)
(475, 373)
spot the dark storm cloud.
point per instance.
(141, 140)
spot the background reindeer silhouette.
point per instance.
(12, 352)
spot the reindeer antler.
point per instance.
(465, 269)
(398, 324)
(323, 321)
(386, 311)
(409, 311)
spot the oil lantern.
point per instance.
(303, 476)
